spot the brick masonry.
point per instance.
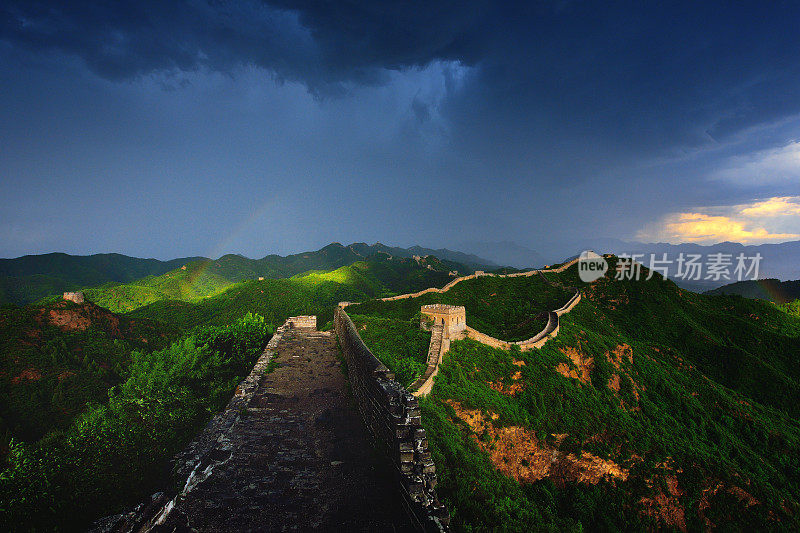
(392, 416)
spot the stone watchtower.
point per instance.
(453, 318)
(76, 297)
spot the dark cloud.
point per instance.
(509, 103)
(669, 74)
(319, 44)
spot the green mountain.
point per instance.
(118, 449)
(238, 268)
(34, 277)
(56, 358)
(773, 290)
(511, 309)
(653, 408)
(315, 292)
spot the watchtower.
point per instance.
(76, 297)
(453, 318)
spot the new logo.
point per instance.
(591, 266)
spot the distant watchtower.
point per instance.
(452, 317)
(76, 297)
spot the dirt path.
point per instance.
(300, 457)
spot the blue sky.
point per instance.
(170, 129)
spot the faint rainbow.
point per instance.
(220, 247)
(773, 291)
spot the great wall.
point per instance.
(449, 323)
(291, 452)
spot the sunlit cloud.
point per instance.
(758, 222)
(773, 166)
(773, 207)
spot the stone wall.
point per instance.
(304, 321)
(488, 340)
(569, 305)
(438, 347)
(392, 416)
(456, 281)
(453, 318)
(197, 461)
(76, 297)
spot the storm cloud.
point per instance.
(639, 106)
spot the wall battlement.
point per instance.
(452, 319)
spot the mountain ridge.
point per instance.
(30, 278)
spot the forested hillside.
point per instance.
(773, 290)
(506, 308)
(653, 408)
(30, 278)
(117, 452)
(55, 359)
(195, 296)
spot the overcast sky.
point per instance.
(164, 129)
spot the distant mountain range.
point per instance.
(30, 278)
(33, 277)
(780, 261)
(507, 253)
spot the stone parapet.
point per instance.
(392, 416)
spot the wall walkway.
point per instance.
(392, 416)
(289, 452)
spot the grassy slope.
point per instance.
(709, 402)
(189, 283)
(33, 277)
(311, 293)
(198, 280)
(401, 345)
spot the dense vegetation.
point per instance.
(311, 293)
(506, 308)
(197, 283)
(793, 308)
(116, 453)
(400, 344)
(56, 358)
(32, 277)
(653, 407)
